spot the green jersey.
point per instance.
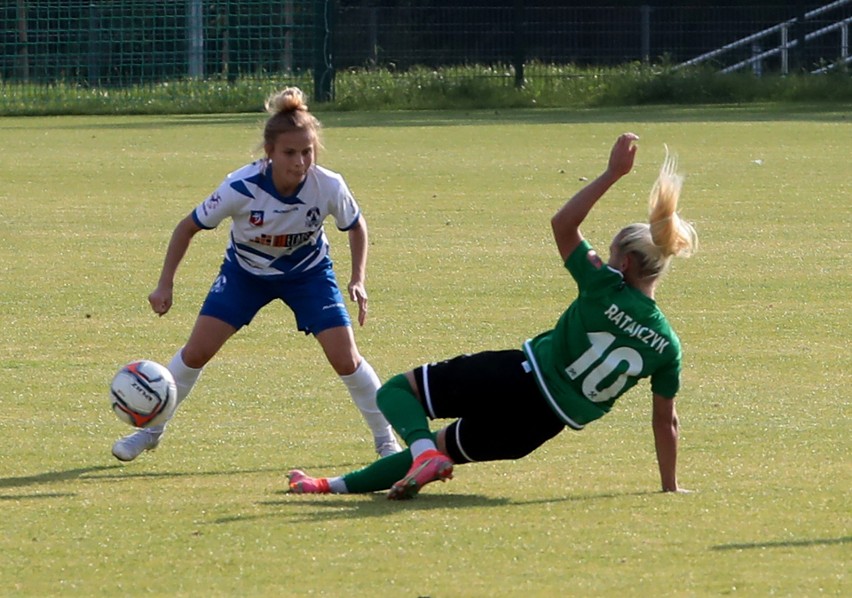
(608, 339)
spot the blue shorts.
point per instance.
(314, 297)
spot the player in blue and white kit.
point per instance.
(278, 250)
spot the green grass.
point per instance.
(458, 205)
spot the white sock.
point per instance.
(185, 376)
(363, 384)
(418, 447)
(185, 379)
(337, 486)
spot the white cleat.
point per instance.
(387, 447)
(133, 445)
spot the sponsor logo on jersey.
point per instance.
(285, 210)
(210, 203)
(256, 218)
(290, 241)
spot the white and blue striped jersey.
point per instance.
(272, 235)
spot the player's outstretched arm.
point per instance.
(566, 222)
(161, 297)
(666, 430)
(358, 249)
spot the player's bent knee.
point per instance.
(345, 366)
(195, 359)
(390, 389)
(468, 440)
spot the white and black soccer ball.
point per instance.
(143, 394)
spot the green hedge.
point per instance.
(473, 87)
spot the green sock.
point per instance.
(381, 474)
(402, 409)
(405, 413)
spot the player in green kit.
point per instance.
(508, 403)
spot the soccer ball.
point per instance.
(143, 393)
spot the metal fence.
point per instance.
(132, 42)
(602, 35)
(137, 42)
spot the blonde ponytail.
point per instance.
(669, 232)
(666, 234)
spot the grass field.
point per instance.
(458, 206)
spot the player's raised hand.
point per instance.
(622, 154)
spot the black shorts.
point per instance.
(500, 409)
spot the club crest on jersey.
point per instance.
(594, 259)
(256, 218)
(313, 218)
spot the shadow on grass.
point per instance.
(654, 113)
(766, 111)
(785, 543)
(123, 472)
(337, 507)
(103, 473)
(52, 476)
(17, 497)
(49, 477)
(135, 122)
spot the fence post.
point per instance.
(374, 36)
(93, 62)
(800, 53)
(518, 44)
(323, 66)
(785, 52)
(22, 62)
(646, 33)
(756, 65)
(225, 50)
(195, 33)
(289, 35)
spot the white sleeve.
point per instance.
(218, 206)
(343, 207)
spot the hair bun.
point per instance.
(286, 100)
